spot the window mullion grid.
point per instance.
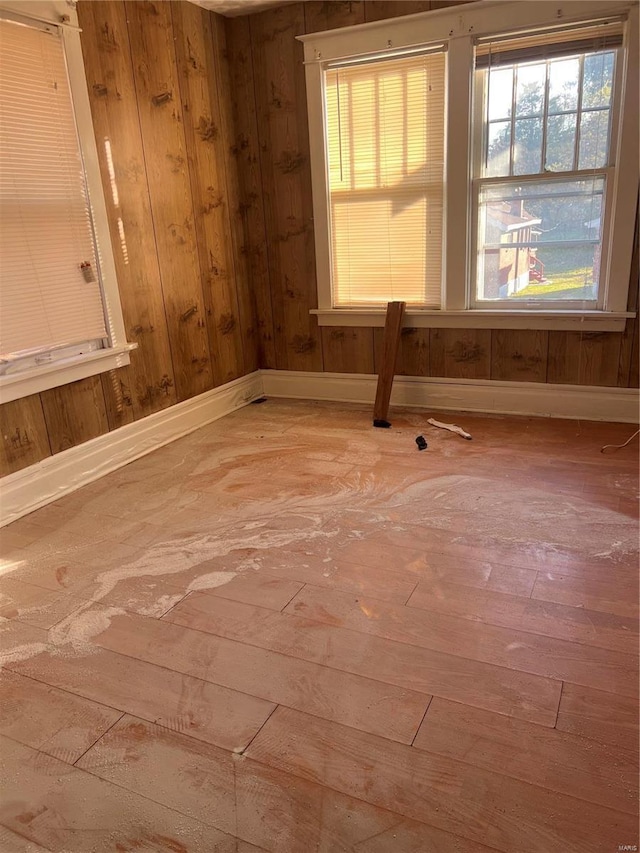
(576, 145)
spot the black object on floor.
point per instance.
(422, 444)
(380, 423)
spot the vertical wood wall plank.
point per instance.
(413, 355)
(347, 350)
(584, 358)
(147, 384)
(634, 370)
(74, 413)
(461, 353)
(519, 355)
(629, 338)
(284, 151)
(206, 156)
(322, 15)
(242, 269)
(377, 10)
(161, 121)
(24, 434)
(250, 206)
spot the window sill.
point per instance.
(578, 321)
(17, 385)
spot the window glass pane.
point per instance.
(530, 89)
(540, 240)
(500, 93)
(597, 80)
(564, 75)
(527, 149)
(594, 139)
(561, 141)
(499, 148)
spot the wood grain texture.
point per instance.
(599, 716)
(628, 366)
(24, 434)
(286, 179)
(322, 15)
(164, 145)
(50, 720)
(74, 413)
(461, 353)
(274, 677)
(447, 794)
(413, 353)
(372, 657)
(210, 713)
(48, 802)
(249, 204)
(147, 384)
(346, 350)
(377, 10)
(252, 800)
(206, 155)
(290, 555)
(247, 307)
(390, 349)
(582, 769)
(519, 356)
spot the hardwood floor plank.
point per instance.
(599, 716)
(342, 696)
(538, 617)
(50, 720)
(487, 807)
(180, 702)
(261, 804)
(508, 647)
(66, 810)
(496, 688)
(336, 574)
(598, 594)
(260, 589)
(12, 843)
(560, 762)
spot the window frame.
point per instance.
(459, 28)
(78, 361)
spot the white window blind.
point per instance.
(45, 223)
(385, 125)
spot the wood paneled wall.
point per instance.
(275, 185)
(201, 125)
(160, 92)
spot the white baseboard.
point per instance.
(57, 475)
(44, 482)
(585, 402)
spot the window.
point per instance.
(478, 164)
(545, 148)
(57, 320)
(385, 138)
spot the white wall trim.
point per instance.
(57, 475)
(586, 402)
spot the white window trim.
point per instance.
(459, 27)
(76, 365)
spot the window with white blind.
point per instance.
(478, 164)
(57, 320)
(385, 140)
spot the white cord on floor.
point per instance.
(619, 446)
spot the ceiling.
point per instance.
(233, 8)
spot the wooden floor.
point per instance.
(292, 632)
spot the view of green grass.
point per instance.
(576, 279)
(569, 274)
